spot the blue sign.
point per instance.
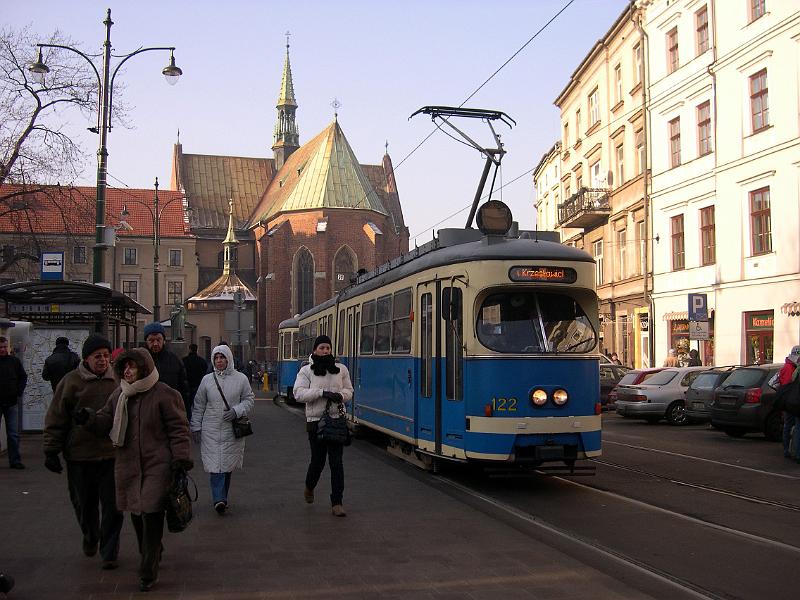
(52, 266)
(698, 307)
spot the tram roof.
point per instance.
(487, 248)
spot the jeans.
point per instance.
(91, 490)
(790, 421)
(220, 484)
(11, 416)
(334, 452)
(149, 529)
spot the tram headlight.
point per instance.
(560, 397)
(539, 397)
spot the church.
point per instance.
(276, 236)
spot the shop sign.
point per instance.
(761, 321)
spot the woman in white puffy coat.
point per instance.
(321, 381)
(212, 426)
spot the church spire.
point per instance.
(287, 136)
(230, 242)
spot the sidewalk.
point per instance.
(403, 537)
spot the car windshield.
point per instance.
(534, 322)
(705, 381)
(744, 378)
(629, 377)
(661, 378)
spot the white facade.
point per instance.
(725, 140)
(547, 183)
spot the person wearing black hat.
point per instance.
(90, 459)
(170, 368)
(324, 384)
(60, 362)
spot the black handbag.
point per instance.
(179, 504)
(333, 430)
(241, 425)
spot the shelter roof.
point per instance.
(67, 292)
(41, 209)
(323, 173)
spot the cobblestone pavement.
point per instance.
(404, 537)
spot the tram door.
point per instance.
(440, 415)
(352, 329)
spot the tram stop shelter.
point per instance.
(42, 311)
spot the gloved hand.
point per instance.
(182, 464)
(83, 415)
(333, 397)
(53, 463)
(229, 415)
(197, 436)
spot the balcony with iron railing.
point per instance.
(586, 209)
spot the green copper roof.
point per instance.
(323, 173)
(286, 95)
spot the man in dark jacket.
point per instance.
(60, 362)
(170, 368)
(90, 459)
(196, 368)
(12, 384)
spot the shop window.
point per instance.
(759, 335)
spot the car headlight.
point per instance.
(539, 397)
(560, 397)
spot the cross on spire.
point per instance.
(287, 34)
(336, 106)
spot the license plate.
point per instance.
(698, 405)
(727, 401)
(549, 452)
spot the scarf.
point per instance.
(322, 364)
(129, 390)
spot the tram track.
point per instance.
(698, 486)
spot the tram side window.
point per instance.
(454, 352)
(294, 351)
(340, 334)
(383, 325)
(286, 350)
(426, 346)
(401, 322)
(367, 328)
(328, 325)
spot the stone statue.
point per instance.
(177, 317)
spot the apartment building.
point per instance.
(724, 142)
(602, 166)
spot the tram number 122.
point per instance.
(504, 404)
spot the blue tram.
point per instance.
(475, 347)
(288, 361)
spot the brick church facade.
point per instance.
(306, 220)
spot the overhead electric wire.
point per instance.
(468, 98)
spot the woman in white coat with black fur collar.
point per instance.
(212, 426)
(321, 381)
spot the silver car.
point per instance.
(660, 397)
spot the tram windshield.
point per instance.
(532, 322)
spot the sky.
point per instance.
(381, 60)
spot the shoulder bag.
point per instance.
(333, 430)
(179, 502)
(241, 425)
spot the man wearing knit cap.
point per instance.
(60, 362)
(170, 368)
(90, 459)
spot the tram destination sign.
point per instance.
(543, 274)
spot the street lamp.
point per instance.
(105, 101)
(155, 216)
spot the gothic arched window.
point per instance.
(304, 278)
(344, 267)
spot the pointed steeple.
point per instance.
(287, 136)
(230, 242)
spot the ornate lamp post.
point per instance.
(105, 84)
(155, 216)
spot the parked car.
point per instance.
(610, 376)
(661, 396)
(745, 402)
(699, 396)
(632, 377)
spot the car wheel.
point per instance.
(676, 413)
(773, 427)
(735, 432)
